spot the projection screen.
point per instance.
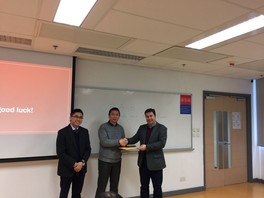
(35, 103)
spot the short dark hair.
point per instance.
(109, 195)
(73, 111)
(149, 110)
(113, 109)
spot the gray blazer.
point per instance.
(154, 154)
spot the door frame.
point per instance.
(248, 129)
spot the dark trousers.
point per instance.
(108, 170)
(156, 178)
(77, 185)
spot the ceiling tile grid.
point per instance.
(133, 26)
(157, 30)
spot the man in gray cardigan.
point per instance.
(152, 137)
(111, 136)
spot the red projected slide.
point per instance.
(35, 99)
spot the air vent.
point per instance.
(109, 54)
(16, 40)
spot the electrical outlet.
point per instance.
(182, 179)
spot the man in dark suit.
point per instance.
(73, 150)
(151, 161)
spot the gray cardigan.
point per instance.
(109, 136)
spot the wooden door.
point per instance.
(237, 172)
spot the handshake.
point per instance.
(123, 141)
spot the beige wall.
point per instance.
(38, 178)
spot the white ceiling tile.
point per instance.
(194, 66)
(143, 28)
(48, 45)
(26, 8)
(190, 54)
(100, 39)
(254, 65)
(143, 46)
(231, 60)
(259, 38)
(252, 4)
(48, 10)
(57, 31)
(81, 36)
(261, 10)
(195, 13)
(242, 49)
(157, 61)
(17, 25)
(99, 10)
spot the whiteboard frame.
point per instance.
(145, 91)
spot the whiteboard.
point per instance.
(96, 102)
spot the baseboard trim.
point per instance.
(184, 191)
(196, 189)
(180, 192)
(256, 180)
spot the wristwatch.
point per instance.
(83, 162)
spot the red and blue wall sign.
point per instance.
(186, 104)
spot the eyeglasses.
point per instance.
(78, 117)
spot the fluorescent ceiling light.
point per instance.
(237, 30)
(73, 12)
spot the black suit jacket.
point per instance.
(154, 153)
(67, 150)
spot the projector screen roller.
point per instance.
(35, 103)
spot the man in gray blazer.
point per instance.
(152, 137)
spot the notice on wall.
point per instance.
(186, 104)
(236, 120)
